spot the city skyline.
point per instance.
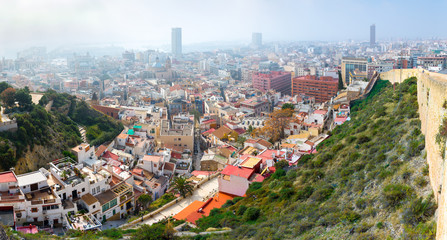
(135, 23)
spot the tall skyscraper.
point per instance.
(372, 35)
(256, 40)
(176, 42)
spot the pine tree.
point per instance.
(340, 81)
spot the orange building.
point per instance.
(198, 209)
(322, 88)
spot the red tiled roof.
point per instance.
(101, 149)
(191, 213)
(138, 171)
(239, 130)
(6, 177)
(114, 163)
(238, 171)
(209, 121)
(176, 155)
(169, 166)
(257, 178)
(206, 173)
(108, 154)
(309, 143)
(152, 158)
(209, 131)
(340, 119)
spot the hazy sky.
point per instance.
(25, 23)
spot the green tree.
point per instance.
(182, 186)
(145, 200)
(8, 97)
(288, 106)
(23, 97)
(4, 86)
(250, 129)
(340, 81)
(95, 97)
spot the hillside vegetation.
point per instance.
(100, 128)
(367, 181)
(44, 136)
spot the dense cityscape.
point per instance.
(164, 144)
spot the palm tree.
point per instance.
(145, 200)
(182, 186)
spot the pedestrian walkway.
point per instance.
(205, 191)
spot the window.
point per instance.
(50, 207)
(83, 189)
(93, 191)
(94, 206)
(34, 210)
(97, 189)
(113, 202)
(105, 207)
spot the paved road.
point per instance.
(205, 191)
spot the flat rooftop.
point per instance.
(106, 197)
(31, 178)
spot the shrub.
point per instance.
(304, 193)
(420, 181)
(418, 210)
(291, 174)
(281, 164)
(277, 174)
(379, 225)
(113, 233)
(273, 196)
(363, 139)
(255, 186)
(252, 214)
(323, 193)
(241, 210)
(286, 193)
(360, 203)
(394, 194)
(228, 203)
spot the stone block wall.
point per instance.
(432, 93)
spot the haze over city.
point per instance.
(213, 119)
(136, 24)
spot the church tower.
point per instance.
(168, 63)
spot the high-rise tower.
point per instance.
(176, 42)
(372, 35)
(256, 40)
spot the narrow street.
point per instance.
(197, 154)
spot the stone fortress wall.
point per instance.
(432, 92)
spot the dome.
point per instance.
(157, 65)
